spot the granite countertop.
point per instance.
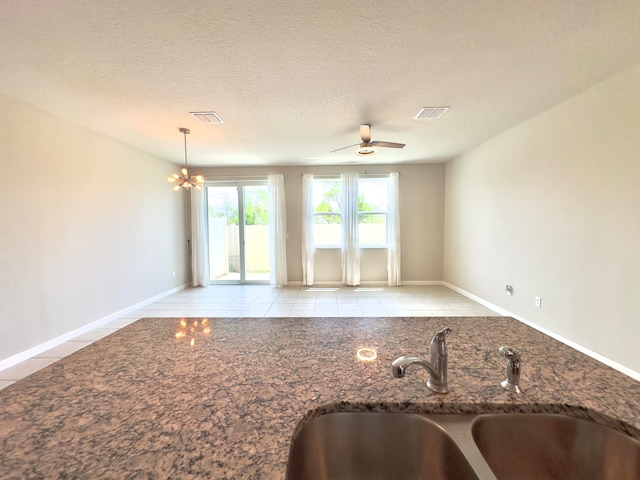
(143, 403)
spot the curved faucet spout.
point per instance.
(437, 377)
(400, 365)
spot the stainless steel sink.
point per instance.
(375, 446)
(460, 446)
(539, 446)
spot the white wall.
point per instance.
(88, 227)
(421, 212)
(552, 207)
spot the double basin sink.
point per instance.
(460, 446)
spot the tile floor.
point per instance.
(266, 301)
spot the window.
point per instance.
(327, 215)
(372, 212)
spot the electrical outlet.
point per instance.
(508, 289)
(174, 274)
(538, 302)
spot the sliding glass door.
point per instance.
(238, 223)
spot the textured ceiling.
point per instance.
(293, 79)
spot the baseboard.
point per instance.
(338, 284)
(43, 347)
(377, 283)
(481, 301)
(601, 358)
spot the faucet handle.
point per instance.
(441, 335)
(444, 331)
(512, 382)
(509, 353)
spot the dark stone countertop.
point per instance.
(142, 403)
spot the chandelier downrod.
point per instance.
(186, 132)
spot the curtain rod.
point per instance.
(336, 175)
(241, 177)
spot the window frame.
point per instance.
(370, 178)
(336, 179)
(323, 179)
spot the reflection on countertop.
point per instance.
(145, 402)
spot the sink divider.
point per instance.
(458, 427)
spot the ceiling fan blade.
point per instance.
(365, 133)
(388, 144)
(342, 148)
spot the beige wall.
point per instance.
(421, 212)
(552, 207)
(88, 227)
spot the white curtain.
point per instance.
(308, 248)
(277, 230)
(393, 231)
(199, 243)
(350, 247)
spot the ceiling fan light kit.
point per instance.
(184, 180)
(366, 150)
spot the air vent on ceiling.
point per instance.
(431, 113)
(207, 117)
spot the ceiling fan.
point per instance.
(367, 147)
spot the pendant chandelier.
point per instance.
(184, 180)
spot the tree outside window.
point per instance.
(372, 212)
(327, 216)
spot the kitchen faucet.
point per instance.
(436, 366)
